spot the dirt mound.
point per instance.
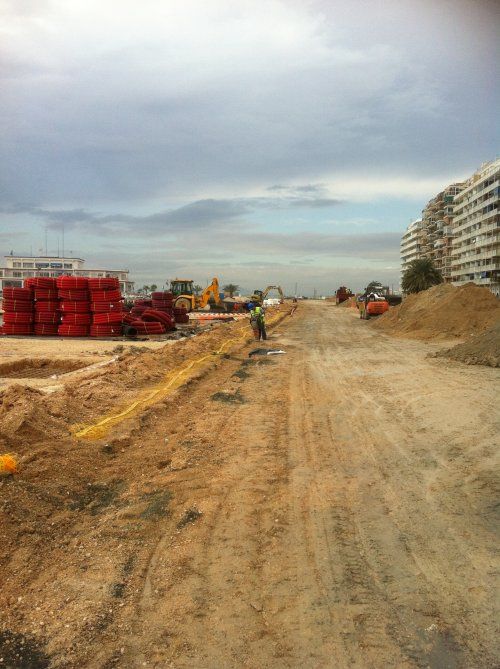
(442, 312)
(26, 417)
(481, 350)
(351, 302)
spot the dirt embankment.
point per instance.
(481, 350)
(28, 415)
(442, 312)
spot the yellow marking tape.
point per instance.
(99, 429)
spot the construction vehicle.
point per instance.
(383, 291)
(342, 294)
(185, 296)
(371, 304)
(260, 295)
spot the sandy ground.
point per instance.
(15, 348)
(332, 507)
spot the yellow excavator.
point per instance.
(260, 295)
(185, 296)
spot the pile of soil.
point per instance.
(442, 312)
(26, 416)
(351, 302)
(481, 350)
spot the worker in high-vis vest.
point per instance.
(258, 322)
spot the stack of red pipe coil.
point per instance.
(18, 311)
(46, 305)
(106, 306)
(181, 315)
(74, 305)
(154, 316)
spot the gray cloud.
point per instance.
(105, 115)
(199, 214)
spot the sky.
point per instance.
(261, 141)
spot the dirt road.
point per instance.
(332, 507)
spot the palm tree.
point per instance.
(372, 286)
(421, 274)
(230, 288)
(197, 289)
(153, 287)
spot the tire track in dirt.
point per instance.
(341, 506)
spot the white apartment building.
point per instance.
(476, 247)
(410, 248)
(17, 268)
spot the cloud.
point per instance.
(217, 134)
(202, 214)
(104, 103)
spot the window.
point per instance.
(28, 264)
(16, 264)
(68, 265)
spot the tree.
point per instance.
(230, 288)
(153, 287)
(421, 274)
(372, 286)
(197, 289)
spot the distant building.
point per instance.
(476, 246)
(438, 229)
(18, 268)
(411, 243)
(460, 231)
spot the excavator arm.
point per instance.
(210, 291)
(269, 288)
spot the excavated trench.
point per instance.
(39, 368)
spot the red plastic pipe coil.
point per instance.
(15, 306)
(105, 295)
(105, 307)
(162, 295)
(40, 282)
(74, 295)
(148, 328)
(73, 318)
(105, 283)
(45, 305)
(162, 304)
(17, 329)
(73, 331)
(107, 317)
(75, 307)
(42, 329)
(159, 317)
(18, 317)
(24, 294)
(47, 317)
(72, 282)
(45, 294)
(106, 331)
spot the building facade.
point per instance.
(438, 229)
(17, 268)
(411, 243)
(460, 231)
(476, 245)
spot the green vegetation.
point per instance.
(420, 275)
